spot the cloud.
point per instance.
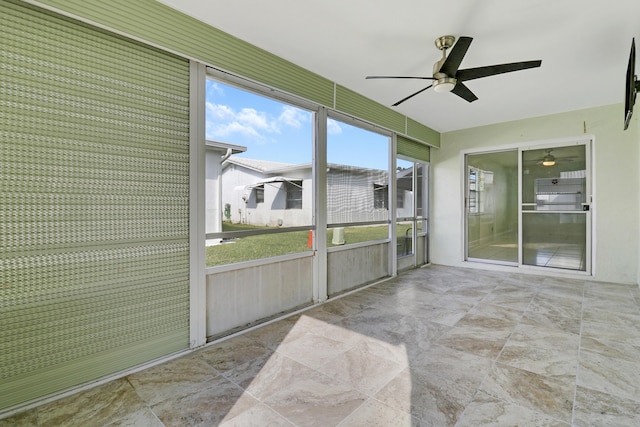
(333, 128)
(219, 112)
(214, 87)
(292, 117)
(257, 120)
(224, 130)
(223, 121)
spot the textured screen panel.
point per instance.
(414, 149)
(181, 33)
(94, 219)
(160, 25)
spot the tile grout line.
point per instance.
(146, 403)
(493, 362)
(575, 387)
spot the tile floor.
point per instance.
(437, 346)
(570, 256)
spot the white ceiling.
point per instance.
(583, 44)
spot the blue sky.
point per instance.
(272, 130)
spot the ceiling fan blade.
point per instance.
(464, 92)
(411, 96)
(399, 77)
(458, 51)
(491, 70)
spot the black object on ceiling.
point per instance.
(448, 78)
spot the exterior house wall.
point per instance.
(234, 179)
(212, 189)
(272, 212)
(407, 208)
(350, 196)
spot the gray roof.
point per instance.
(265, 166)
(211, 144)
(268, 166)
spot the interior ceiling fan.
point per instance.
(448, 78)
(549, 159)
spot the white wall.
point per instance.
(617, 203)
(212, 190)
(635, 121)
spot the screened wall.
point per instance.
(94, 154)
(95, 261)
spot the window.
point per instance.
(294, 195)
(357, 182)
(260, 194)
(473, 191)
(380, 196)
(258, 172)
(479, 182)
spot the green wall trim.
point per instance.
(150, 21)
(411, 148)
(175, 31)
(422, 133)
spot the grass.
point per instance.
(256, 247)
(268, 245)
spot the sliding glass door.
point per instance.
(556, 213)
(530, 206)
(492, 207)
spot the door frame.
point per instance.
(414, 219)
(589, 142)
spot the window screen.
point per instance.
(94, 154)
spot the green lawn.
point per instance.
(268, 245)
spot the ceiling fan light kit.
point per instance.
(548, 160)
(448, 78)
(445, 84)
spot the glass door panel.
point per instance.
(411, 209)
(555, 207)
(554, 240)
(492, 207)
(405, 213)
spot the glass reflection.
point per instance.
(492, 206)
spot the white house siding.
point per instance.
(272, 212)
(350, 194)
(212, 189)
(407, 209)
(234, 179)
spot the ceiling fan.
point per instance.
(448, 78)
(550, 160)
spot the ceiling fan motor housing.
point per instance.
(443, 82)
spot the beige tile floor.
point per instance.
(436, 346)
(568, 256)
